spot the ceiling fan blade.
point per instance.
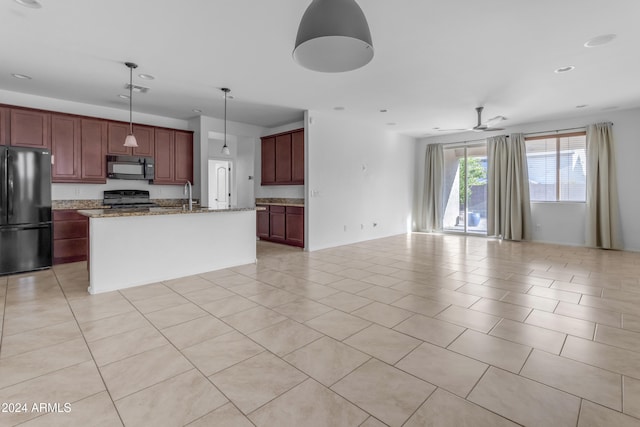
(449, 130)
(495, 120)
(490, 129)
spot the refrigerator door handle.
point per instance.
(10, 187)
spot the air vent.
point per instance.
(137, 89)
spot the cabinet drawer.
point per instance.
(69, 250)
(69, 229)
(276, 209)
(295, 210)
(68, 215)
(266, 208)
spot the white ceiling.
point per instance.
(434, 62)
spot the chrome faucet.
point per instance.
(187, 188)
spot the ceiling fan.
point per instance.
(482, 127)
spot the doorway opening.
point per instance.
(465, 188)
(219, 183)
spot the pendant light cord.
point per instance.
(130, 100)
(225, 117)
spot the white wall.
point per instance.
(564, 222)
(356, 174)
(208, 142)
(275, 191)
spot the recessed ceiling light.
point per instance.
(384, 110)
(33, 4)
(600, 40)
(581, 106)
(436, 128)
(21, 76)
(195, 110)
(338, 108)
(565, 69)
(123, 96)
(391, 124)
(146, 76)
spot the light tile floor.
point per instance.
(411, 330)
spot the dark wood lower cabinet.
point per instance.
(70, 232)
(294, 220)
(262, 223)
(281, 224)
(277, 225)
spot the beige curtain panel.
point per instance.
(603, 216)
(508, 204)
(432, 210)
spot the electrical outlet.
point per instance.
(361, 226)
(345, 228)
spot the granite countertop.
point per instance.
(113, 213)
(280, 202)
(97, 203)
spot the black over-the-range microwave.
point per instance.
(130, 167)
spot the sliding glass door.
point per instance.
(465, 188)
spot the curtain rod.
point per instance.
(529, 133)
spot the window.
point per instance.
(557, 167)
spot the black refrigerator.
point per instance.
(25, 209)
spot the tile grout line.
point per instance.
(88, 348)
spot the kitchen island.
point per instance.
(137, 247)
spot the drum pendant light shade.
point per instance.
(333, 37)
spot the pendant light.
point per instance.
(225, 147)
(333, 37)
(130, 140)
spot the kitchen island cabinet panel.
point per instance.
(30, 128)
(183, 157)
(65, 148)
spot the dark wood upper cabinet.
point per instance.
(94, 150)
(79, 147)
(30, 128)
(145, 137)
(65, 148)
(183, 157)
(268, 161)
(164, 156)
(297, 157)
(117, 133)
(4, 126)
(283, 159)
(79, 144)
